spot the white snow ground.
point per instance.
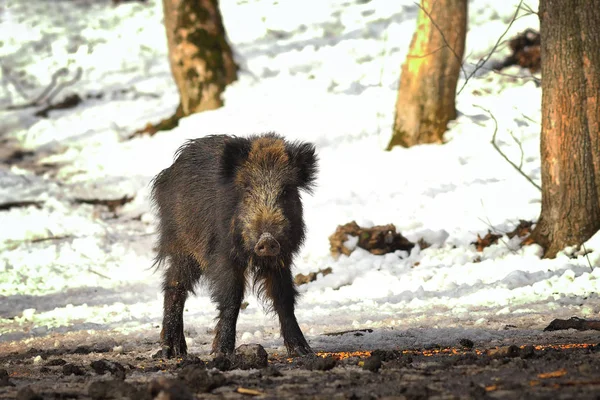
(324, 71)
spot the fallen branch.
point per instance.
(356, 332)
(573, 323)
(46, 92)
(68, 102)
(112, 204)
(14, 204)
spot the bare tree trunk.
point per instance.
(201, 59)
(427, 90)
(570, 139)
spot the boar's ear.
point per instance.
(235, 152)
(304, 159)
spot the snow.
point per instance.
(324, 71)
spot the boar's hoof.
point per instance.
(299, 350)
(174, 351)
(267, 246)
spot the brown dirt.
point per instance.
(92, 366)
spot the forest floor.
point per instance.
(61, 367)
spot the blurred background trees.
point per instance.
(427, 89)
(200, 57)
(570, 137)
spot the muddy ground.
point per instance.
(99, 366)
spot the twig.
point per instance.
(99, 274)
(45, 92)
(529, 118)
(537, 80)
(484, 60)
(504, 155)
(512, 135)
(65, 84)
(587, 256)
(493, 228)
(529, 10)
(45, 239)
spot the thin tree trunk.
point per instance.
(201, 60)
(427, 90)
(570, 138)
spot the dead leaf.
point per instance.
(491, 388)
(378, 240)
(301, 279)
(523, 229)
(486, 241)
(250, 392)
(527, 241)
(553, 374)
(423, 244)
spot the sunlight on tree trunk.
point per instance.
(201, 59)
(427, 90)
(570, 139)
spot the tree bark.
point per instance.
(427, 89)
(570, 137)
(201, 59)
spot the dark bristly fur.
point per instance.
(214, 203)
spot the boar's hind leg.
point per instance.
(227, 283)
(179, 279)
(280, 288)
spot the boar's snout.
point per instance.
(267, 246)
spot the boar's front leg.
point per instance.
(179, 279)
(280, 288)
(227, 283)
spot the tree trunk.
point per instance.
(427, 90)
(570, 138)
(201, 59)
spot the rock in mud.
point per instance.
(372, 363)
(270, 371)
(27, 393)
(527, 351)
(220, 362)
(320, 363)
(169, 389)
(505, 351)
(191, 361)
(103, 366)
(200, 380)
(249, 356)
(55, 362)
(4, 378)
(96, 348)
(387, 355)
(114, 389)
(69, 369)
